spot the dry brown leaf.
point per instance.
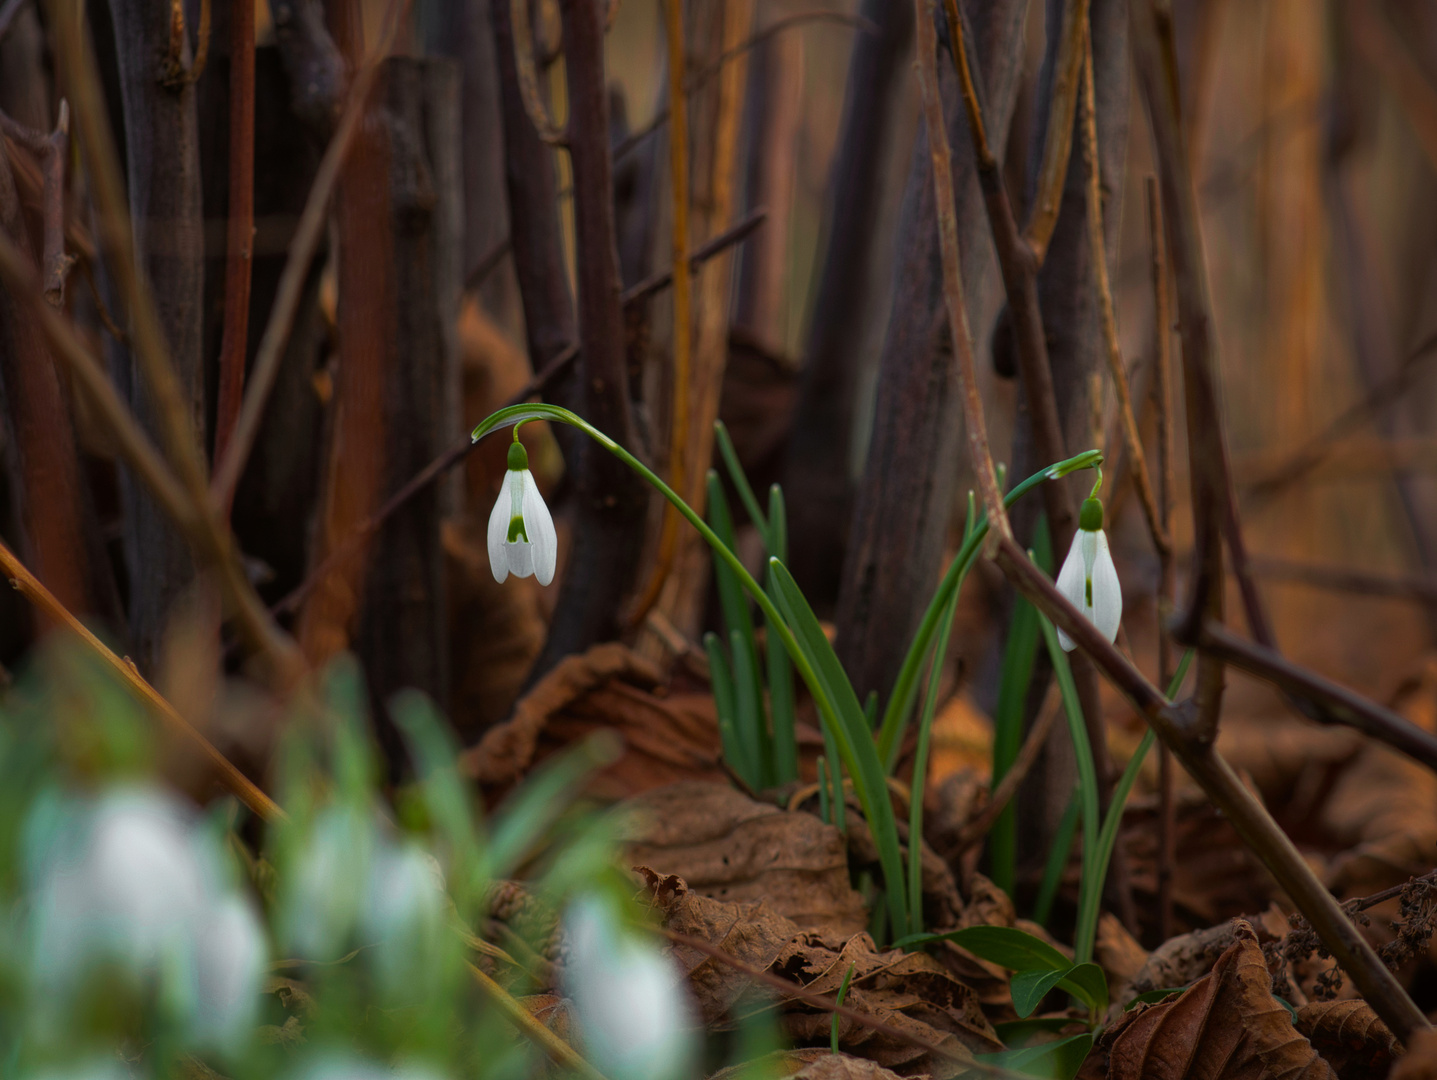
(911, 992)
(1178, 962)
(609, 687)
(1420, 1061)
(730, 847)
(1350, 1038)
(808, 1064)
(1226, 1026)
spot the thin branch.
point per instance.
(735, 234)
(975, 424)
(296, 268)
(51, 151)
(1167, 572)
(175, 73)
(560, 1052)
(528, 76)
(1207, 452)
(239, 241)
(487, 264)
(1184, 730)
(1416, 588)
(1392, 62)
(1058, 138)
(1315, 451)
(1335, 704)
(238, 784)
(1116, 367)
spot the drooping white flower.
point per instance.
(629, 999)
(1089, 579)
(522, 540)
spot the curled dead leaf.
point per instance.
(1226, 1026)
(910, 993)
(608, 687)
(1350, 1037)
(730, 847)
(808, 1064)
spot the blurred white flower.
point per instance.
(522, 540)
(405, 894)
(629, 997)
(132, 880)
(97, 1069)
(326, 884)
(1089, 579)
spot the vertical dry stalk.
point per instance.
(1167, 579)
(238, 257)
(1116, 367)
(1058, 138)
(366, 316)
(683, 318)
(925, 11)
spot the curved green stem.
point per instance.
(900, 702)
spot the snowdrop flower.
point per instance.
(521, 532)
(343, 1066)
(132, 879)
(629, 1000)
(1089, 579)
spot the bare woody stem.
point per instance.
(51, 151)
(1058, 139)
(1116, 367)
(976, 425)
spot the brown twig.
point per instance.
(240, 785)
(296, 268)
(1315, 451)
(1334, 704)
(51, 151)
(1420, 589)
(487, 264)
(1393, 63)
(1167, 573)
(239, 240)
(560, 1052)
(1207, 452)
(1116, 367)
(1185, 731)
(735, 234)
(528, 75)
(1058, 138)
(175, 73)
(683, 318)
(975, 424)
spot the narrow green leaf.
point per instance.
(740, 483)
(721, 679)
(749, 718)
(1005, 946)
(842, 993)
(1030, 987)
(854, 738)
(780, 671)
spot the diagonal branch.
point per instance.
(52, 151)
(1058, 138)
(240, 785)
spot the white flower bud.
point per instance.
(1089, 579)
(521, 537)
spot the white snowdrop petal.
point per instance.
(1072, 584)
(231, 955)
(1107, 610)
(499, 530)
(540, 527)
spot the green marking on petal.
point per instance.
(516, 530)
(1089, 585)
